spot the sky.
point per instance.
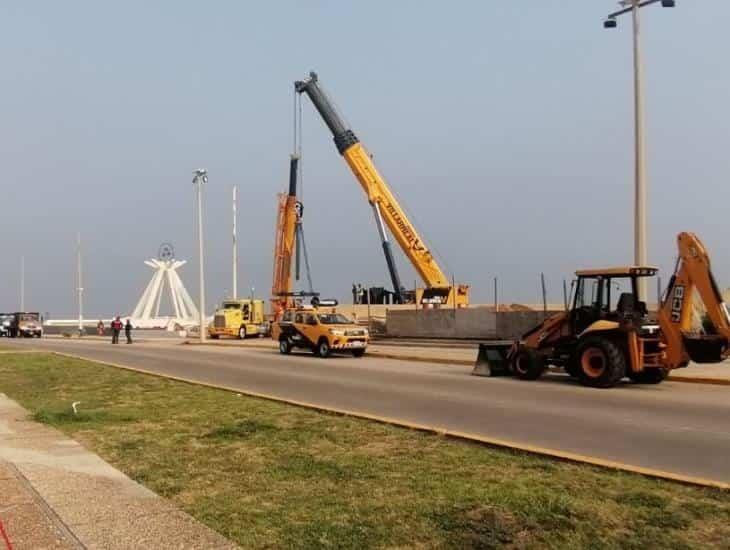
(506, 129)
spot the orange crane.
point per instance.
(288, 244)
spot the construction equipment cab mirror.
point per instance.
(609, 334)
(388, 213)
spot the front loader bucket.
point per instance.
(492, 359)
(706, 348)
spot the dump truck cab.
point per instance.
(239, 319)
(322, 331)
(26, 324)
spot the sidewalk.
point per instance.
(56, 494)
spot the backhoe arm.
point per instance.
(385, 206)
(693, 272)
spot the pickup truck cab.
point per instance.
(321, 332)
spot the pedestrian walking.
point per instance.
(128, 331)
(100, 328)
(116, 329)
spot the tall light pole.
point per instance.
(22, 283)
(80, 287)
(640, 249)
(200, 178)
(235, 251)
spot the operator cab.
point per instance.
(609, 294)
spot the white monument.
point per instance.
(147, 312)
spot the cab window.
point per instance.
(310, 319)
(288, 316)
(299, 318)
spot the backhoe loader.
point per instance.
(607, 334)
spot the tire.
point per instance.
(323, 349)
(649, 376)
(528, 364)
(358, 352)
(601, 363)
(242, 333)
(214, 336)
(284, 346)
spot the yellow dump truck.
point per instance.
(239, 319)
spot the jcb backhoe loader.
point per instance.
(607, 335)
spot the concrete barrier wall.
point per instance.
(462, 323)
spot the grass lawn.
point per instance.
(266, 474)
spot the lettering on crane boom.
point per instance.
(677, 302)
(405, 230)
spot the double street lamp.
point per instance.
(200, 178)
(640, 253)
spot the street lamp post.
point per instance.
(640, 248)
(200, 177)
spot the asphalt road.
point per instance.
(675, 427)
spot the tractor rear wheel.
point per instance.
(601, 363)
(649, 376)
(528, 364)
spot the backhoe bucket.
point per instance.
(492, 359)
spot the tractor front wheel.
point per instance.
(528, 364)
(601, 363)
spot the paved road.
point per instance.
(676, 427)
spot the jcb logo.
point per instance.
(677, 302)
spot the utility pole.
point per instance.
(235, 251)
(80, 284)
(640, 248)
(200, 178)
(22, 283)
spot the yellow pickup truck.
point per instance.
(239, 319)
(319, 331)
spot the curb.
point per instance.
(453, 434)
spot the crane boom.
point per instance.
(285, 241)
(385, 206)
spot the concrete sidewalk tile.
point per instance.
(29, 528)
(6, 472)
(64, 482)
(13, 493)
(177, 531)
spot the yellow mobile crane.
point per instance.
(386, 209)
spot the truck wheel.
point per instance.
(358, 352)
(602, 364)
(649, 376)
(242, 333)
(323, 349)
(284, 346)
(214, 336)
(528, 364)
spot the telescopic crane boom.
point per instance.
(386, 208)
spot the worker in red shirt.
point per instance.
(116, 329)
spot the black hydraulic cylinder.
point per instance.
(293, 168)
(394, 277)
(343, 136)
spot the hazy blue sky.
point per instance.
(505, 127)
